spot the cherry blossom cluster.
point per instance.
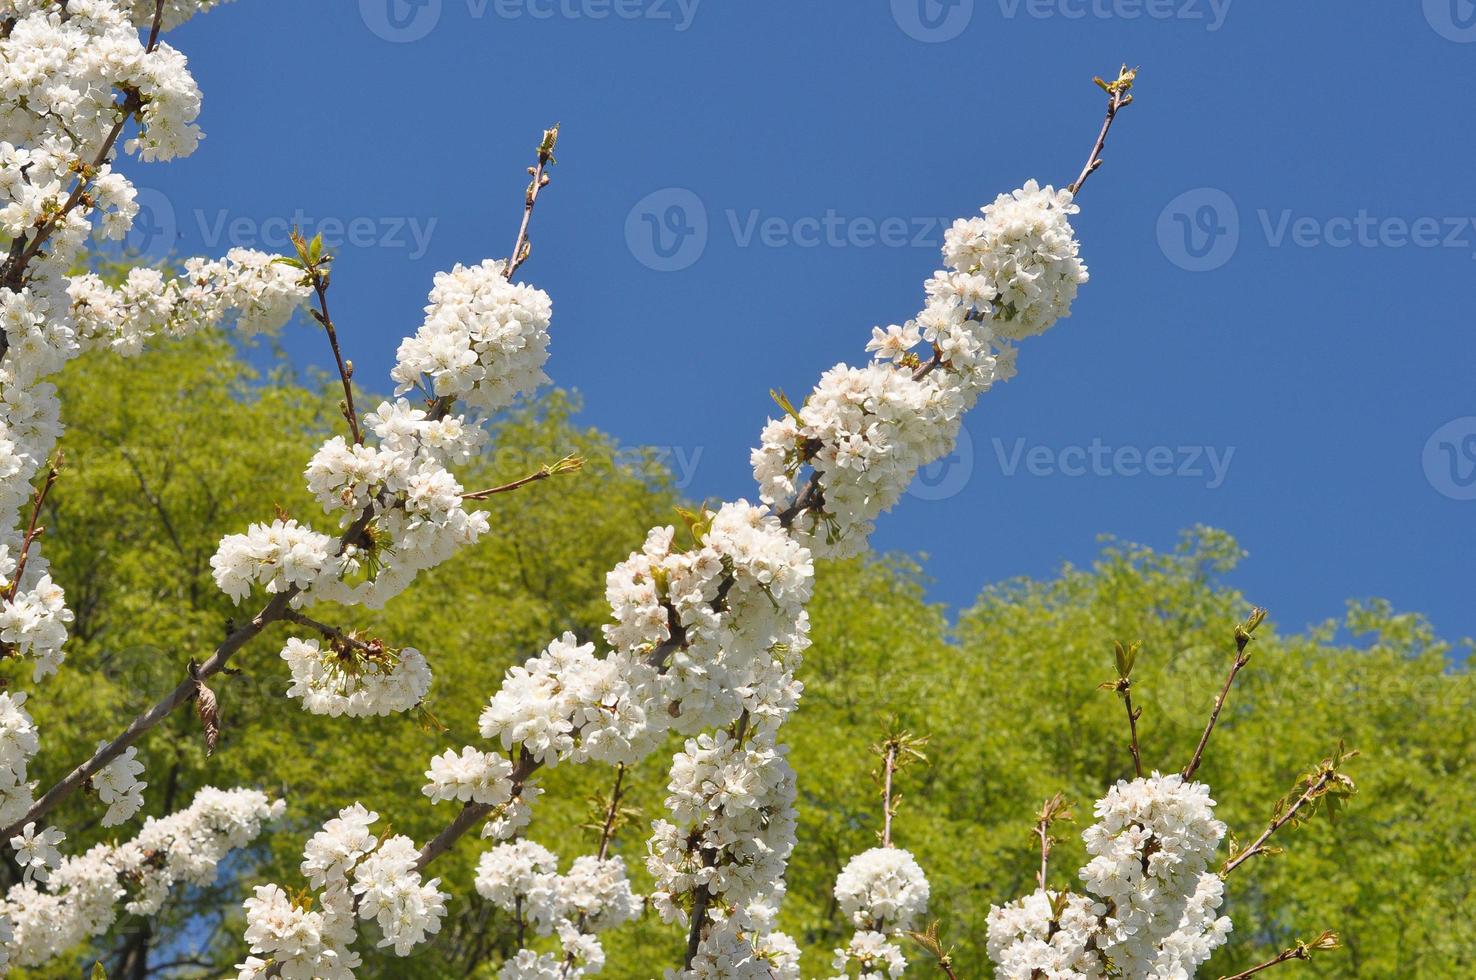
(400, 509)
(726, 619)
(874, 956)
(36, 851)
(1152, 843)
(19, 743)
(1152, 901)
(484, 340)
(699, 637)
(863, 432)
(472, 776)
(117, 784)
(71, 76)
(355, 680)
(248, 287)
(884, 893)
(1046, 933)
(709, 638)
(356, 876)
(731, 952)
(522, 878)
(82, 894)
(731, 830)
(174, 12)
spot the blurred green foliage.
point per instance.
(168, 451)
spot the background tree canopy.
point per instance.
(167, 452)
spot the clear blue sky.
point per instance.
(1281, 243)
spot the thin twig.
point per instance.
(1301, 951)
(1119, 95)
(522, 248)
(1259, 844)
(345, 370)
(333, 633)
(607, 834)
(1127, 699)
(700, 899)
(33, 529)
(1242, 641)
(568, 464)
(889, 762)
(158, 23)
(1054, 809)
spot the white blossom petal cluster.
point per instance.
(417, 515)
(727, 619)
(729, 952)
(512, 817)
(1046, 934)
(70, 78)
(390, 891)
(174, 12)
(1151, 909)
(19, 743)
(883, 890)
(33, 621)
(873, 954)
(884, 893)
(349, 682)
(731, 829)
(1152, 842)
(848, 453)
(117, 784)
(484, 340)
(356, 876)
(304, 944)
(472, 776)
(567, 703)
(281, 556)
(522, 878)
(1202, 931)
(333, 851)
(35, 852)
(1018, 263)
(82, 894)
